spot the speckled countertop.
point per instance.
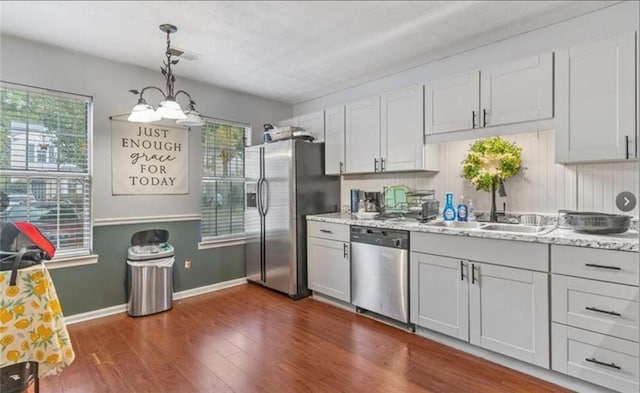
(624, 242)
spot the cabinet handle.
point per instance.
(612, 365)
(382, 164)
(473, 273)
(461, 270)
(603, 311)
(484, 117)
(603, 266)
(341, 167)
(345, 250)
(626, 146)
(473, 119)
(375, 165)
(325, 231)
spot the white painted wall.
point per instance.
(108, 82)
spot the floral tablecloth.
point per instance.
(32, 326)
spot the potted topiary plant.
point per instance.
(489, 163)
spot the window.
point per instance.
(222, 180)
(45, 164)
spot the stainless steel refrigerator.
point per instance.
(285, 182)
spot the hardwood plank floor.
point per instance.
(250, 339)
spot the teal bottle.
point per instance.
(449, 212)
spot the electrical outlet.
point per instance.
(187, 263)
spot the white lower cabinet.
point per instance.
(595, 317)
(595, 357)
(328, 262)
(502, 309)
(440, 294)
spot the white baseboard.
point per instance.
(209, 288)
(104, 312)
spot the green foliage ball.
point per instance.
(490, 161)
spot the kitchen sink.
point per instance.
(456, 224)
(516, 228)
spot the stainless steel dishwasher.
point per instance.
(380, 271)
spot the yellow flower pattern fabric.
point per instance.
(32, 326)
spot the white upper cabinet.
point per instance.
(311, 122)
(597, 101)
(451, 104)
(401, 135)
(507, 93)
(386, 133)
(517, 91)
(363, 136)
(334, 159)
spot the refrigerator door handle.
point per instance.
(264, 190)
(258, 196)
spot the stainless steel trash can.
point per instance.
(149, 275)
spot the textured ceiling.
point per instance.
(291, 51)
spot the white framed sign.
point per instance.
(149, 159)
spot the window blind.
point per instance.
(222, 179)
(44, 164)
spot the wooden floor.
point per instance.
(249, 339)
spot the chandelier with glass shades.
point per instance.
(169, 108)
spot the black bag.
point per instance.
(22, 245)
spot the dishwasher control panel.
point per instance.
(380, 237)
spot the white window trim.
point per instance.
(71, 261)
(236, 239)
(80, 258)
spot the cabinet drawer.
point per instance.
(328, 230)
(593, 357)
(605, 265)
(602, 307)
(524, 255)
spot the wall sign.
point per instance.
(149, 159)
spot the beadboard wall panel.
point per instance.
(599, 184)
(542, 187)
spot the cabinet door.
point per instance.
(509, 312)
(596, 98)
(451, 104)
(517, 91)
(334, 141)
(401, 133)
(439, 294)
(313, 123)
(329, 268)
(363, 136)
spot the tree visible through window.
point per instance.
(222, 179)
(44, 164)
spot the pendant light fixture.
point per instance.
(169, 108)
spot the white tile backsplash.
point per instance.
(541, 187)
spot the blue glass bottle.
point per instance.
(449, 212)
(462, 210)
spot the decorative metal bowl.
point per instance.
(598, 223)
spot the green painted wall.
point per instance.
(92, 287)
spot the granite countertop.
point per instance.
(623, 242)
